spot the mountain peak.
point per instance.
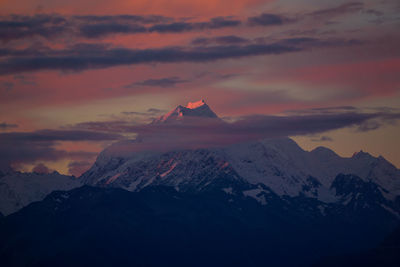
(192, 109)
(361, 154)
(197, 104)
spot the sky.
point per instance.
(76, 76)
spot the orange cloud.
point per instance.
(163, 7)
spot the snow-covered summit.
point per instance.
(197, 104)
(193, 109)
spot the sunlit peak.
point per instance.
(193, 105)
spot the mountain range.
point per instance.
(262, 202)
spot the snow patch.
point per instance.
(326, 195)
(194, 105)
(228, 190)
(170, 170)
(226, 164)
(256, 194)
(113, 178)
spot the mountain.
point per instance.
(277, 163)
(280, 164)
(193, 109)
(359, 195)
(161, 226)
(152, 201)
(17, 189)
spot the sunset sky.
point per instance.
(75, 74)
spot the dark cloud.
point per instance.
(112, 126)
(126, 19)
(338, 10)
(162, 82)
(33, 50)
(20, 27)
(315, 42)
(6, 126)
(300, 124)
(328, 110)
(154, 110)
(201, 41)
(214, 23)
(172, 27)
(56, 135)
(267, 19)
(301, 41)
(220, 22)
(229, 39)
(95, 56)
(28, 147)
(300, 32)
(99, 57)
(100, 30)
(196, 132)
(50, 26)
(334, 109)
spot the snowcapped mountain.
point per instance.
(152, 201)
(252, 168)
(192, 109)
(17, 189)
